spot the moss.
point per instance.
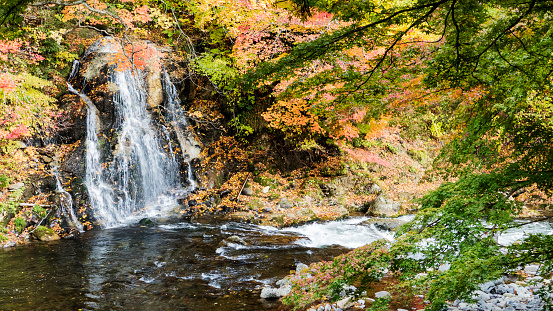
(278, 219)
(255, 204)
(418, 155)
(42, 232)
(266, 181)
(274, 196)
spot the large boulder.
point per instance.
(383, 206)
(45, 234)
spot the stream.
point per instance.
(169, 266)
(177, 265)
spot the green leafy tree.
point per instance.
(491, 61)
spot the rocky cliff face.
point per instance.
(93, 86)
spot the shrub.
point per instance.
(327, 279)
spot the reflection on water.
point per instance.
(167, 267)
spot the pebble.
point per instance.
(498, 295)
(382, 294)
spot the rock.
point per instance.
(328, 307)
(374, 189)
(19, 144)
(481, 296)
(45, 234)
(300, 267)
(402, 310)
(284, 203)
(266, 189)
(46, 159)
(236, 239)
(328, 190)
(273, 293)
(344, 303)
(247, 191)
(531, 269)
(307, 213)
(283, 282)
(146, 222)
(382, 294)
(405, 196)
(284, 290)
(382, 206)
(16, 186)
(269, 293)
(267, 209)
(387, 224)
(487, 287)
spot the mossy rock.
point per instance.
(146, 222)
(255, 204)
(418, 155)
(266, 181)
(45, 234)
(307, 214)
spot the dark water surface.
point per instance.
(172, 266)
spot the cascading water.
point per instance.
(136, 177)
(67, 204)
(179, 123)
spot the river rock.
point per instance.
(247, 191)
(16, 186)
(531, 269)
(146, 222)
(383, 206)
(236, 239)
(266, 189)
(374, 189)
(387, 224)
(284, 203)
(273, 293)
(45, 234)
(382, 294)
(344, 303)
(269, 293)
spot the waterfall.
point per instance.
(131, 172)
(179, 123)
(67, 202)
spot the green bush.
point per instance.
(4, 181)
(362, 266)
(19, 224)
(39, 211)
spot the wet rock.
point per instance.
(236, 239)
(9, 244)
(247, 191)
(383, 206)
(16, 186)
(146, 222)
(284, 203)
(387, 224)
